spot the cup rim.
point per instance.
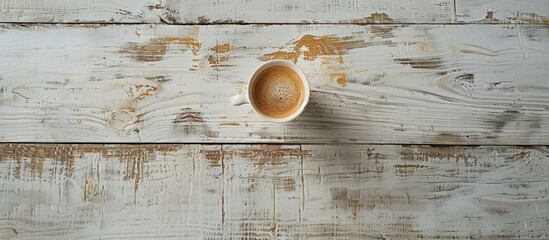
(296, 69)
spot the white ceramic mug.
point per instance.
(247, 96)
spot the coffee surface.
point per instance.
(278, 92)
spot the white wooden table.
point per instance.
(427, 119)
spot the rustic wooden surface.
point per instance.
(428, 119)
(469, 84)
(228, 11)
(281, 11)
(266, 191)
(507, 11)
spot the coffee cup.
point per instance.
(277, 90)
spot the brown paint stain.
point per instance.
(354, 205)
(143, 91)
(534, 18)
(155, 49)
(336, 69)
(291, 56)
(311, 47)
(220, 55)
(329, 47)
(136, 158)
(223, 202)
(223, 48)
(267, 155)
(136, 185)
(325, 45)
(374, 18)
(537, 21)
(223, 65)
(31, 157)
(190, 122)
(187, 115)
(212, 59)
(92, 190)
(424, 153)
(340, 59)
(262, 155)
(159, 79)
(214, 157)
(289, 185)
(339, 77)
(424, 63)
(383, 32)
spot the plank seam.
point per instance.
(270, 24)
(276, 143)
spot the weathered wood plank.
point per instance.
(506, 11)
(265, 191)
(96, 11)
(229, 11)
(306, 11)
(268, 11)
(470, 84)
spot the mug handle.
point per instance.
(239, 99)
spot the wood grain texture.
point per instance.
(471, 84)
(307, 11)
(269, 11)
(228, 11)
(507, 11)
(67, 11)
(265, 191)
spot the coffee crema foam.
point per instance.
(278, 92)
